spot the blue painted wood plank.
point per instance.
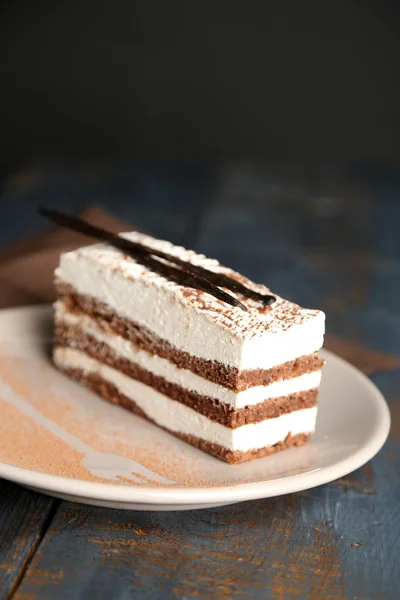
(24, 516)
(236, 552)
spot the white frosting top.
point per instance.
(189, 319)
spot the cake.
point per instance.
(236, 381)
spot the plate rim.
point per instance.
(184, 495)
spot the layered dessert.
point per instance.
(236, 378)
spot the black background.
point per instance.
(175, 81)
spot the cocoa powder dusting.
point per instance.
(26, 444)
(100, 426)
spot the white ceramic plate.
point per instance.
(60, 439)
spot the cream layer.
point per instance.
(183, 377)
(181, 419)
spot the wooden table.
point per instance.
(335, 246)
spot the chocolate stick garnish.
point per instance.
(143, 255)
(188, 275)
(225, 281)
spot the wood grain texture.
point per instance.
(335, 247)
(236, 552)
(24, 516)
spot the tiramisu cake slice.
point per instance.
(239, 382)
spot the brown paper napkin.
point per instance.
(26, 277)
